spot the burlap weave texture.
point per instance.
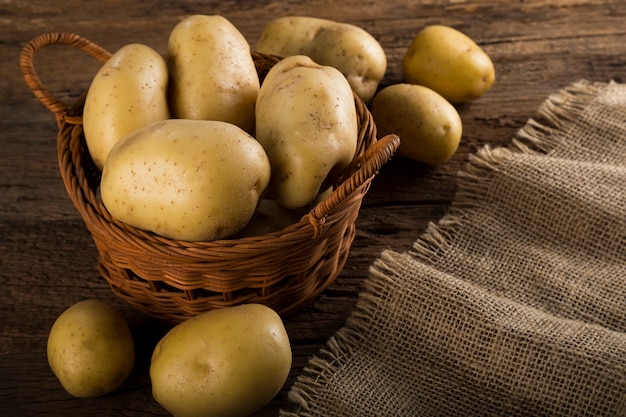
(514, 303)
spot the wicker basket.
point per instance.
(175, 280)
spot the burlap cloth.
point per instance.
(514, 303)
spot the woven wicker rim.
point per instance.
(113, 237)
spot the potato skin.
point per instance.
(222, 363)
(307, 124)
(212, 73)
(90, 349)
(449, 62)
(269, 217)
(349, 48)
(128, 92)
(429, 127)
(192, 180)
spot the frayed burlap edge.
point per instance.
(539, 136)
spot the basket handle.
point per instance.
(371, 162)
(27, 65)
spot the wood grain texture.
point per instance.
(47, 258)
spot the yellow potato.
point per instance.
(193, 180)
(307, 123)
(227, 362)
(349, 48)
(269, 217)
(449, 62)
(429, 127)
(212, 74)
(91, 349)
(128, 92)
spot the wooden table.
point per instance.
(47, 258)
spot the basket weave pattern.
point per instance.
(176, 279)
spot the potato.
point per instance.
(307, 124)
(91, 349)
(193, 180)
(269, 217)
(349, 48)
(212, 74)
(129, 91)
(449, 62)
(222, 363)
(429, 127)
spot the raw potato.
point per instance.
(269, 217)
(193, 180)
(128, 92)
(449, 62)
(429, 127)
(91, 349)
(307, 123)
(222, 363)
(212, 74)
(349, 48)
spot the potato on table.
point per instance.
(429, 127)
(225, 362)
(91, 349)
(449, 62)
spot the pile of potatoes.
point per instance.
(193, 147)
(191, 144)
